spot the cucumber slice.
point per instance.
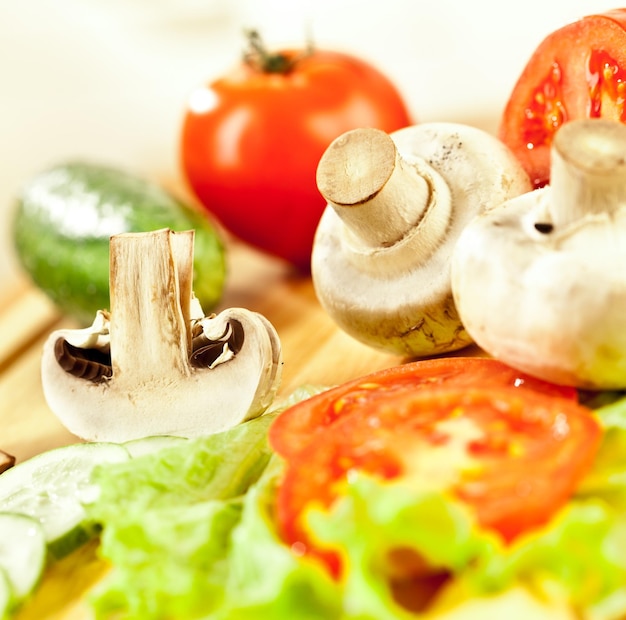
(6, 596)
(22, 552)
(52, 487)
(148, 445)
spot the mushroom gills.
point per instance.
(95, 364)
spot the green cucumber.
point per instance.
(53, 487)
(65, 216)
(22, 554)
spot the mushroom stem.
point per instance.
(588, 170)
(379, 196)
(150, 335)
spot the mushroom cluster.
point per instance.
(540, 282)
(154, 364)
(397, 204)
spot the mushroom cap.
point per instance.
(549, 303)
(389, 298)
(207, 400)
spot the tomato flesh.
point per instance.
(578, 71)
(545, 112)
(294, 428)
(607, 86)
(513, 456)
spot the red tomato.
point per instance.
(513, 456)
(578, 71)
(251, 141)
(293, 429)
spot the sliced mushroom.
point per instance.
(396, 206)
(540, 282)
(155, 365)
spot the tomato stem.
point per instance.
(259, 58)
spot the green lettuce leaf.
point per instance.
(264, 578)
(218, 466)
(375, 524)
(607, 477)
(582, 550)
(166, 522)
(581, 553)
(168, 563)
(191, 535)
(214, 560)
(612, 413)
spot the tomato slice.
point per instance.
(294, 428)
(513, 456)
(578, 71)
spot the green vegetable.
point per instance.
(168, 517)
(186, 545)
(6, 597)
(22, 557)
(52, 487)
(173, 558)
(217, 466)
(65, 216)
(189, 530)
(375, 520)
(263, 578)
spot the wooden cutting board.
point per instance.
(315, 351)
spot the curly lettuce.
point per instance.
(190, 534)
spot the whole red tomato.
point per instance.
(578, 71)
(251, 140)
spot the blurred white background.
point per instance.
(107, 79)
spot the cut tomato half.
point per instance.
(578, 71)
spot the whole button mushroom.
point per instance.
(540, 282)
(396, 206)
(154, 364)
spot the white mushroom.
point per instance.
(396, 206)
(540, 282)
(155, 365)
